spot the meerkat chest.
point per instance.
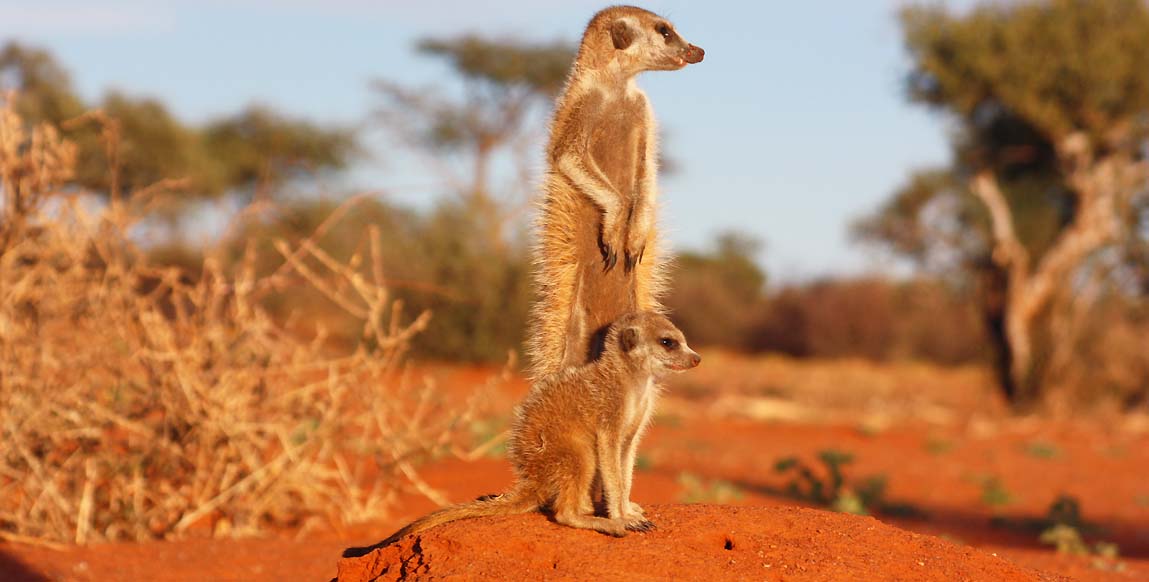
(639, 403)
(618, 140)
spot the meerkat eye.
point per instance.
(668, 343)
(663, 29)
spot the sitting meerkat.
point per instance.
(579, 427)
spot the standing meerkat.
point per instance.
(579, 424)
(598, 207)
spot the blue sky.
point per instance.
(793, 126)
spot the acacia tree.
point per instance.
(1050, 100)
(503, 83)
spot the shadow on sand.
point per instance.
(13, 570)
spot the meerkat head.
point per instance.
(638, 40)
(650, 341)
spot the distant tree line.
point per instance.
(256, 148)
(1031, 247)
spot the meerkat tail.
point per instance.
(516, 501)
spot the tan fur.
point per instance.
(598, 205)
(580, 427)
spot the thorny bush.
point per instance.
(136, 403)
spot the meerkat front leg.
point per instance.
(616, 464)
(609, 453)
(642, 213)
(634, 515)
(579, 167)
(569, 504)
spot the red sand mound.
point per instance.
(692, 542)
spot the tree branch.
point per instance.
(1007, 252)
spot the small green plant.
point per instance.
(696, 490)
(1041, 450)
(994, 494)
(1066, 539)
(832, 490)
(1065, 510)
(643, 462)
(1063, 528)
(1106, 557)
(939, 446)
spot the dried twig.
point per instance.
(136, 402)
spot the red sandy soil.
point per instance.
(692, 542)
(705, 449)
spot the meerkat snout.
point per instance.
(695, 359)
(694, 54)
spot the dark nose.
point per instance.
(694, 54)
(695, 360)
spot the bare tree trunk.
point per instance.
(992, 289)
(1101, 186)
(1009, 325)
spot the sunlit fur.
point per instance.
(579, 429)
(598, 253)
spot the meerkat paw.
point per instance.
(640, 525)
(635, 249)
(635, 518)
(631, 259)
(613, 527)
(609, 247)
(609, 256)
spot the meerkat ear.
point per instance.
(628, 339)
(621, 34)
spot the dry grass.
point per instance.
(137, 404)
